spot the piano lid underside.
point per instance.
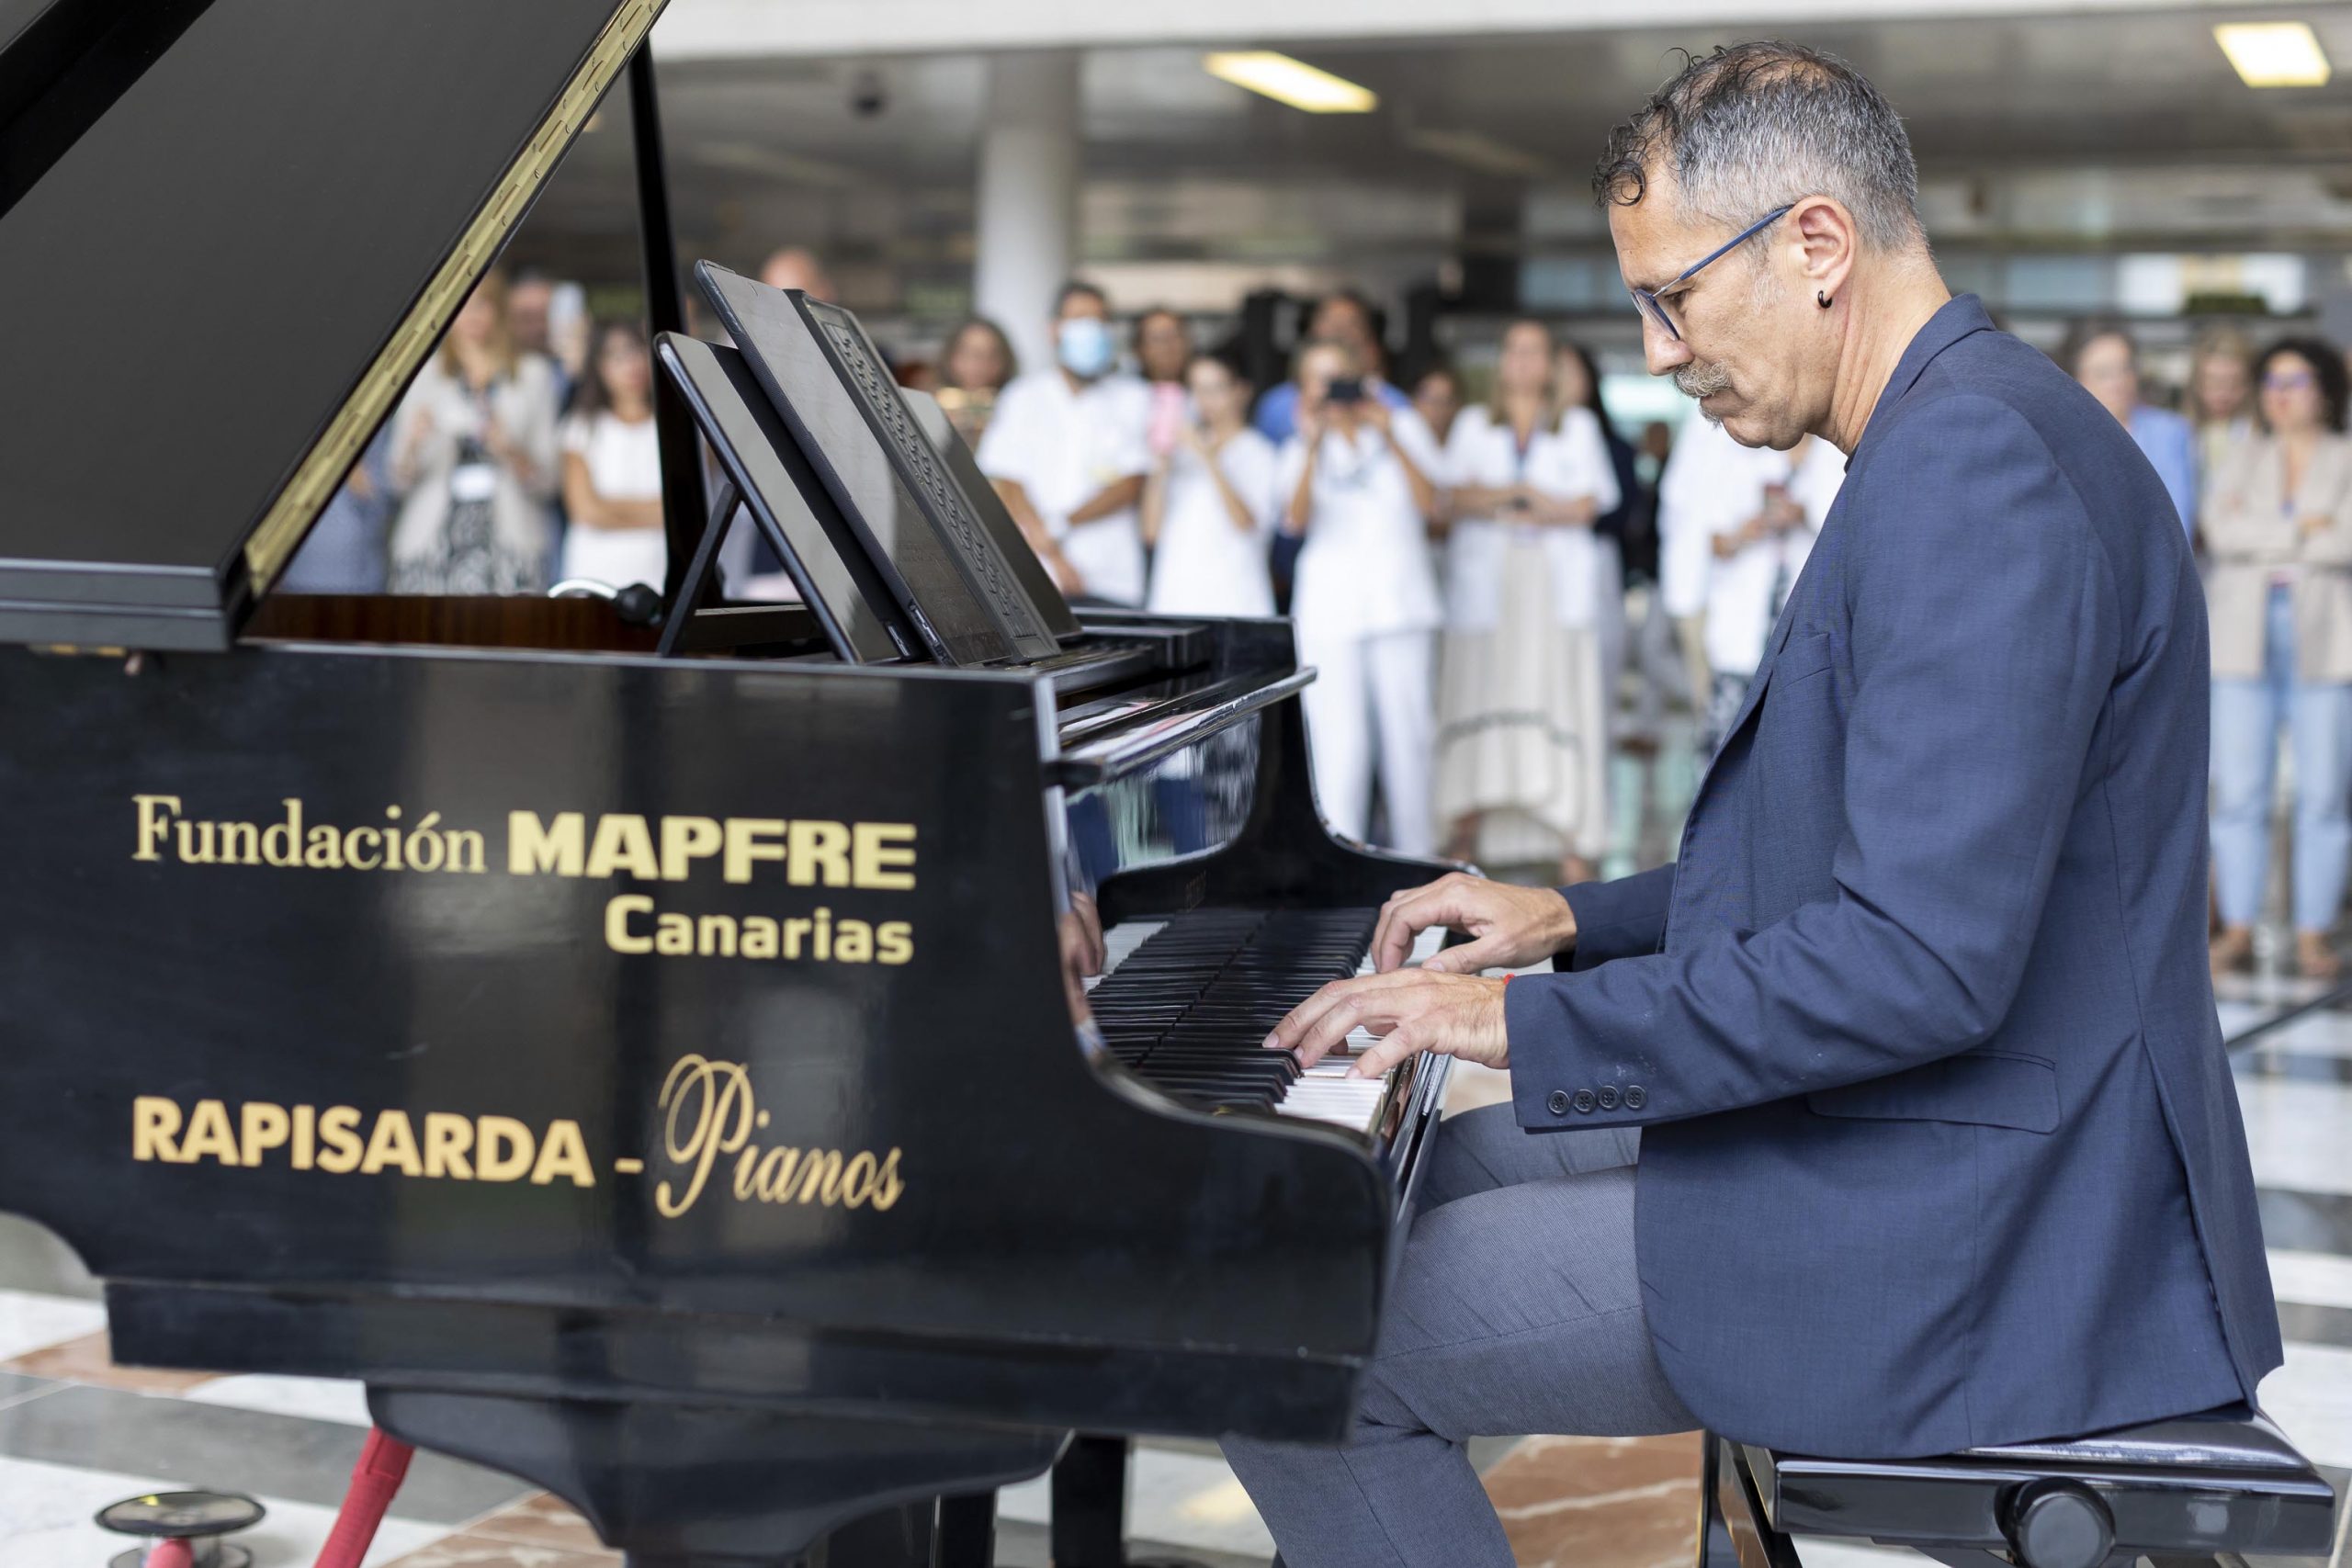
(238, 266)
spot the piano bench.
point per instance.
(2197, 1489)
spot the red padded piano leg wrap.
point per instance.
(383, 1464)
(172, 1553)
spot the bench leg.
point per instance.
(1733, 1530)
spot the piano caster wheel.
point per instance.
(186, 1529)
(2059, 1524)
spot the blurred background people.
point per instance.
(1357, 489)
(1065, 446)
(1163, 352)
(612, 466)
(2221, 394)
(1522, 765)
(344, 550)
(2105, 358)
(1437, 398)
(796, 266)
(977, 365)
(2278, 521)
(473, 458)
(1209, 505)
(1347, 318)
(1759, 513)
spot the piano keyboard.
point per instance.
(1187, 1004)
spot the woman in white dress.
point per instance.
(1357, 483)
(612, 466)
(1209, 504)
(474, 461)
(1523, 708)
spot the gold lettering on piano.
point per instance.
(633, 924)
(440, 1146)
(814, 851)
(293, 844)
(709, 1113)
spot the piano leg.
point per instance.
(1089, 1504)
(732, 1486)
(967, 1531)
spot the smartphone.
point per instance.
(1344, 389)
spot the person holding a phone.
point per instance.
(1522, 766)
(1358, 483)
(1209, 504)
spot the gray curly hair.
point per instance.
(1755, 125)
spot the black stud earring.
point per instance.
(1822, 299)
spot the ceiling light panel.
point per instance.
(1292, 82)
(2274, 55)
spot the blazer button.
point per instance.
(1585, 1102)
(1559, 1103)
(1608, 1098)
(1635, 1096)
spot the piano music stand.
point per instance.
(848, 607)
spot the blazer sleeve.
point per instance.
(1623, 919)
(1983, 629)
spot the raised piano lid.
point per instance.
(227, 279)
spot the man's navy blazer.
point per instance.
(1941, 1143)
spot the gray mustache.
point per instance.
(1699, 380)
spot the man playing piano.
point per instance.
(1937, 1142)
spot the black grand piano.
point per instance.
(742, 1067)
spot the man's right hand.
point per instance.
(1510, 926)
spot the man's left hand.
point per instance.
(1409, 1010)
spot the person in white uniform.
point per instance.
(612, 467)
(1208, 508)
(1357, 482)
(1522, 767)
(1065, 446)
(1760, 512)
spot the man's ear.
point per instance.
(1828, 240)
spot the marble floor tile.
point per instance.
(541, 1519)
(2298, 1132)
(238, 1450)
(46, 1521)
(2314, 1276)
(2306, 1221)
(318, 1399)
(1599, 1502)
(471, 1549)
(31, 1320)
(89, 1361)
(2311, 1398)
(1184, 1499)
(2300, 1321)
(15, 1386)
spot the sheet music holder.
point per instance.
(827, 379)
(965, 469)
(767, 472)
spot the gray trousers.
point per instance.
(1516, 1310)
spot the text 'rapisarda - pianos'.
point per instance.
(739, 1067)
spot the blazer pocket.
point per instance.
(1804, 654)
(1984, 1088)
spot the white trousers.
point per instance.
(1373, 698)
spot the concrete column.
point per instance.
(1026, 235)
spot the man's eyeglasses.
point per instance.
(1652, 303)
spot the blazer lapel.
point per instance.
(1754, 694)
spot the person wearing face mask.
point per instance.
(1357, 484)
(1066, 449)
(2103, 356)
(2278, 527)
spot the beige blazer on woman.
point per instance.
(2251, 534)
